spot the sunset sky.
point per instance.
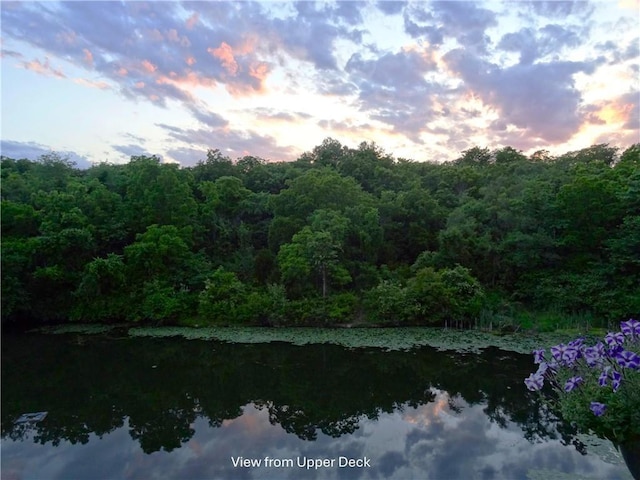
(101, 81)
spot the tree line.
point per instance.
(341, 235)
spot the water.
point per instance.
(185, 409)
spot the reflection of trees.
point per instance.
(305, 426)
(160, 387)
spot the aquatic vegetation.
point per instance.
(79, 328)
(385, 338)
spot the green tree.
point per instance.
(223, 298)
(312, 251)
(103, 293)
(162, 269)
(157, 194)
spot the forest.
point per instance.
(341, 236)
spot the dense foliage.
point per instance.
(338, 236)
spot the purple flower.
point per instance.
(616, 379)
(542, 368)
(577, 343)
(534, 382)
(565, 354)
(572, 383)
(538, 356)
(570, 355)
(614, 351)
(598, 408)
(594, 355)
(631, 328)
(628, 359)
(604, 376)
(614, 339)
(557, 351)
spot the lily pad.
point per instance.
(384, 338)
(79, 328)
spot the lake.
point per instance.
(170, 408)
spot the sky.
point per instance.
(102, 81)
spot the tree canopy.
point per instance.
(338, 236)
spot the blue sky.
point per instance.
(101, 81)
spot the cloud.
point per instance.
(558, 9)
(33, 150)
(285, 116)
(192, 21)
(540, 98)
(130, 150)
(616, 54)
(348, 12)
(393, 90)
(622, 110)
(311, 34)
(630, 105)
(43, 68)
(344, 126)
(148, 67)
(548, 40)
(88, 56)
(92, 83)
(208, 118)
(131, 136)
(430, 29)
(224, 53)
(335, 84)
(235, 143)
(10, 53)
(414, 83)
(391, 7)
(466, 22)
(187, 157)
(136, 43)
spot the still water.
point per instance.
(143, 408)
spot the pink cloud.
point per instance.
(173, 36)
(192, 21)
(91, 83)
(247, 46)
(156, 35)
(175, 82)
(88, 56)
(259, 71)
(43, 68)
(189, 80)
(616, 111)
(224, 53)
(148, 66)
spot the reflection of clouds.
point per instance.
(247, 423)
(427, 442)
(424, 415)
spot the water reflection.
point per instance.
(145, 408)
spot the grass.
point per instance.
(514, 319)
